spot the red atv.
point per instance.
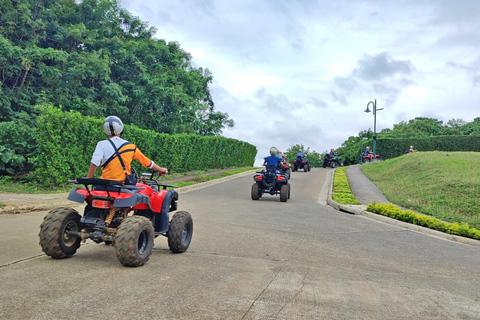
(127, 217)
(369, 157)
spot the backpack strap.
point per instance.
(117, 154)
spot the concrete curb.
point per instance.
(361, 210)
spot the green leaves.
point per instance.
(66, 141)
(93, 57)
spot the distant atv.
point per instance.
(369, 157)
(127, 217)
(301, 163)
(271, 181)
(336, 161)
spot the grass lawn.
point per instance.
(445, 185)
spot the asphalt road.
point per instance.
(248, 260)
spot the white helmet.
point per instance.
(273, 151)
(112, 126)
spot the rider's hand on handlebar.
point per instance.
(163, 171)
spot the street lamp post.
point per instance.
(374, 103)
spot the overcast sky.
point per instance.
(302, 71)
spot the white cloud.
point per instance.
(302, 71)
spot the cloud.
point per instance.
(302, 71)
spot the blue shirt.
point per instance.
(272, 161)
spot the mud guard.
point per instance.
(75, 196)
(161, 220)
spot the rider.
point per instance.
(331, 154)
(411, 150)
(272, 159)
(106, 157)
(367, 151)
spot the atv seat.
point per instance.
(107, 185)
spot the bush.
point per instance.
(342, 193)
(392, 211)
(66, 141)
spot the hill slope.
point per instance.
(445, 185)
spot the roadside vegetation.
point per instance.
(444, 185)
(341, 188)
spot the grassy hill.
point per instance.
(445, 185)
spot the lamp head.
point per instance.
(367, 110)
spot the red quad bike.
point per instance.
(369, 157)
(271, 181)
(125, 216)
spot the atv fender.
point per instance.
(75, 196)
(162, 204)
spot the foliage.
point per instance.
(444, 185)
(425, 134)
(17, 144)
(93, 57)
(66, 141)
(392, 211)
(314, 158)
(341, 188)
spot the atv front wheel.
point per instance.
(284, 193)
(255, 191)
(332, 164)
(54, 238)
(289, 191)
(134, 241)
(180, 232)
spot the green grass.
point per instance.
(445, 185)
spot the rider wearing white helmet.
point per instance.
(106, 157)
(272, 160)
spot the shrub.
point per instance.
(392, 211)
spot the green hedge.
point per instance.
(392, 211)
(66, 140)
(392, 148)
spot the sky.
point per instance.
(303, 71)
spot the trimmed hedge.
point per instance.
(391, 148)
(66, 140)
(392, 211)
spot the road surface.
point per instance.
(248, 260)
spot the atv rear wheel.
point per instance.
(134, 241)
(289, 191)
(332, 164)
(180, 232)
(284, 193)
(54, 238)
(255, 191)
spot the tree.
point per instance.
(94, 57)
(471, 128)
(456, 124)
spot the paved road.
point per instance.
(248, 260)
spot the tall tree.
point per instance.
(96, 58)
